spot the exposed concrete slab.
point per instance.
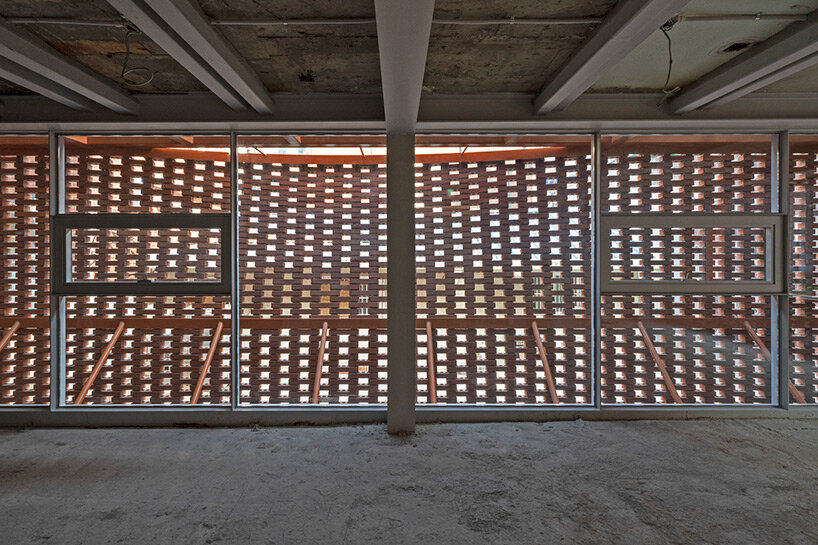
(521, 9)
(498, 58)
(287, 9)
(101, 48)
(703, 482)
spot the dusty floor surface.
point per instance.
(719, 482)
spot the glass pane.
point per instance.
(503, 247)
(24, 268)
(147, 350)
(686, 349)
(689, 254)
(148, 255)
(686, 173)
(147, 174)
(803, 386)
(312, 247)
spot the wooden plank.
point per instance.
(660, 363)
(319, 366)
(794, 392)
(7, 337)
(25, 323)
(95, 372)
(217, 335)
(430, 362)
(549, 378)
(433, 158)
(517, 322)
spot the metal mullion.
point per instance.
(235, 392)
(56, 175)
(780, 330)
(596, 297)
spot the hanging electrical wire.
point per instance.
(665, 28)
(128, 74)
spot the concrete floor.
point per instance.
(718, 482)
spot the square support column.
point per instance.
(400, 282)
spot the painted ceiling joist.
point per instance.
(403, 42)
(189, 23)
(54, 71)
(32, 81)
(785, 53)
(625, 27)
(147, 20)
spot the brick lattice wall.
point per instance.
(707, 365)
(505, 239)
(25, 361)
(804, 211)
(495, 239)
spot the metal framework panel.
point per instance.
(63, 284)
(774, 226)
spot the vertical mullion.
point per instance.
(235, 393)
(400, 282)
(780, 341)
(56, 181)
(596, 299)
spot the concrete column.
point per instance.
(400, 282)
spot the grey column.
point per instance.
(400, 282)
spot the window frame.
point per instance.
(775, 225)
(62, 224)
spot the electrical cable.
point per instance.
(127, 74)
(668, 92)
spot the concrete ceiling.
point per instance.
(806, 80)
(101, 48)
(697, 45)
(305, 58)
(287, 9)
(311, 59)
(462, 59)
(495, 58)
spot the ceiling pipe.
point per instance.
(439, 21)
(521, 21)
(293, 22)
(65, 21)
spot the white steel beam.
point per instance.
(785, 53)
(403, 41)
(500, 114)
(138, 13)
(32, 81)
(628, 24)
(25, 49)
(187, 20)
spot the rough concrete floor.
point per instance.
(719, 482)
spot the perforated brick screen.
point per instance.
(500, 244)
(312, 240)
(804, 328)
(24, 362)
(704, 365)
(505, 240)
